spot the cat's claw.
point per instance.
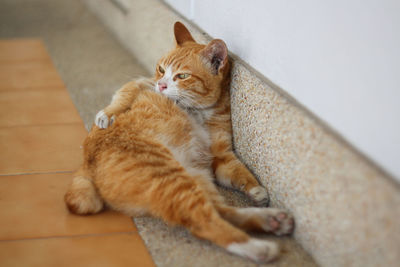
(259, 195)
(102, 121)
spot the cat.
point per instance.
(160, 145)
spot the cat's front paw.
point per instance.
(102, 121)
(259, 195)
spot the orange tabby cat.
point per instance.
(161, 143)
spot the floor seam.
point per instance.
(42, 125)
(34, 88)
(69, 236)
(36, 173)
(39, 89)
(19, 61)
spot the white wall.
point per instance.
(339, 58)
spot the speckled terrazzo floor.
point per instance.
(93, 65)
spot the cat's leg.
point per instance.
(121, 101)
(169, 192)
(187, 201)
(149, 178)
(82, 197)
(270, 220)
(232, 173)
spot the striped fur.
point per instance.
(157, 155)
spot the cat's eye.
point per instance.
(183, 75)
(160, 69)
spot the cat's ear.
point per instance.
(216, 55)
(182, 34)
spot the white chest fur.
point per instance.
(201, 140)
(195, 156)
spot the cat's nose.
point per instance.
(162, 86)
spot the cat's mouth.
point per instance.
(177, 99)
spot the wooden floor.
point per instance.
(40, 142)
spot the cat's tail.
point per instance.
(82, 197)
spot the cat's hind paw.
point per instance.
(260, 251)
(102, 121)
(277, 221)
(259, 195)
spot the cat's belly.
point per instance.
(195, 158)
(156, 119)
(187, 140)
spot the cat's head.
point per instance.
(192, 74)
